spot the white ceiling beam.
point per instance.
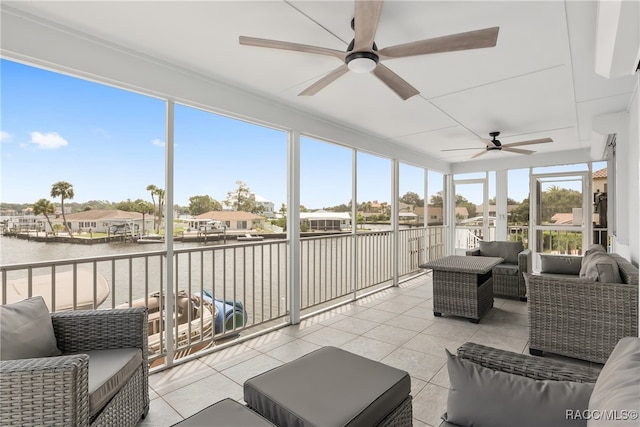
(617, 38)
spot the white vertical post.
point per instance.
(168, 235)
(354, 223)
(395, 213)
(501, 205)
(293, 224)
(449, 206)
(485, 207)
(425, 194)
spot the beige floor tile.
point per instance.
(250, 368)
(432, 344)
(430, 404)
(230, 356)
(369, 348)
(376, 315)
(454, 329)
(269, 341)
(355, 325)
(292, 350)
(329, 336)
(411, 323)
(179, 376)
(442, 377)
(499, 341)
(501, 328)
(390, 334)
(197, 396)
(419, 365)
(303, 328)
(161, 414)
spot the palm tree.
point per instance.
(160, 194)
(46, 208)
(153, 189)
(144, 208)
(64, 190)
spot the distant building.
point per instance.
(103, 221)
(267, 206)
(327, 221)
(234, 220)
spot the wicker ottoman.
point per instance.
(331, 387)
(225, 413)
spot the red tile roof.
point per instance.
(602, 173)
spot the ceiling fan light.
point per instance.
(362, 62)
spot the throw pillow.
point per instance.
(617, 391)
(480, 396)
(600, 267)
(560, 264)
(26, 330)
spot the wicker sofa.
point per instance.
(580, 317)
(503, 388)
(508, 279)
(55, 390)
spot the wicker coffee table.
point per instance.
(462, 285)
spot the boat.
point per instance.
(150, 240)
(249, 238)
(191, 328)
(230, 316)
(41, 284)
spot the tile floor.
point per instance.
(395, 326)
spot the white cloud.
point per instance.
(5, 136)
(48, 141)
(157, 142)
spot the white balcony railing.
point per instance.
(253, 273)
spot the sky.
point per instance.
(110, 145)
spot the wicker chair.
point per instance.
(536, 368)
(54, 390)
(508, 279)
(582, 318)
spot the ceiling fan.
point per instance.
(493, 144)
(363, 56)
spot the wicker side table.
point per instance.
(462, 285)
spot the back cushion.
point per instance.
(560, 264)
(26, 330)
(506, 250)
(616, 390)
(600, 267)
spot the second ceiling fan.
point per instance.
(363, 56)
(494, 145)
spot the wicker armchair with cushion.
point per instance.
(582, 317)
(72, 368)
(508, 279)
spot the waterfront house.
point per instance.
(234, 220)
(327, 221)
(103, 220)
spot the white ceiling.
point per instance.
(538, 81)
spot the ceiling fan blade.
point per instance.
(480, 154)
(366, 17)
(297, 47)
(532, 141)
(517, 150)
(462, 41)
(395, 82)
(325, 81)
